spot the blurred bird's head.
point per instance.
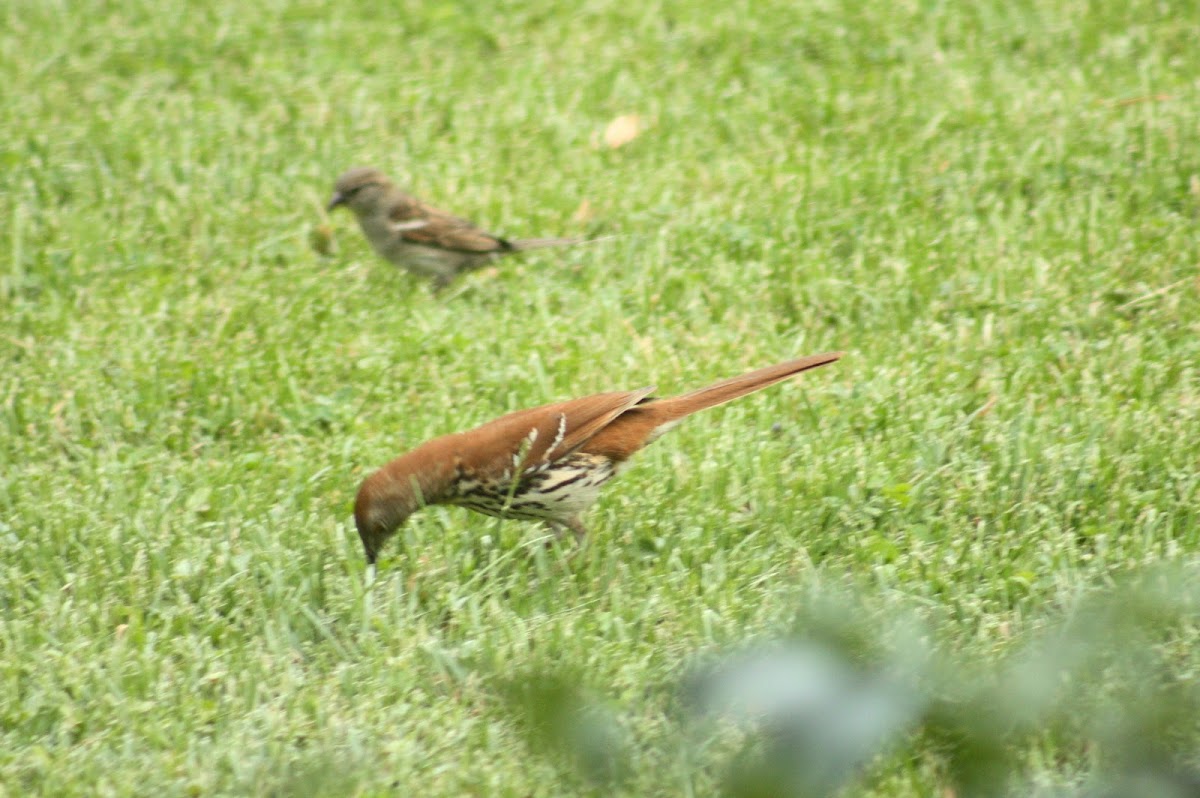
(359, 189)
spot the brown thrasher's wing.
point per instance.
(525, 438)
(640, 425)
(419, 223)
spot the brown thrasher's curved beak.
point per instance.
(334, 201)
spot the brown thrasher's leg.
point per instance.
(574, 524)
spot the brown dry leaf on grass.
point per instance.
(622, 130)
(320, 238)
(584, 213)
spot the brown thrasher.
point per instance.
(543, 464)
(422, 239)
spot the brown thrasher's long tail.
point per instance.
(727, 390)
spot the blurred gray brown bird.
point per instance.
(544, 464)
(422, 239)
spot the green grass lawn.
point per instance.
(991, 207)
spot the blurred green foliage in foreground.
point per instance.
(806, 715)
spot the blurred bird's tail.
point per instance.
(522, 244)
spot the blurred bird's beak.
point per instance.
(334, 201)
